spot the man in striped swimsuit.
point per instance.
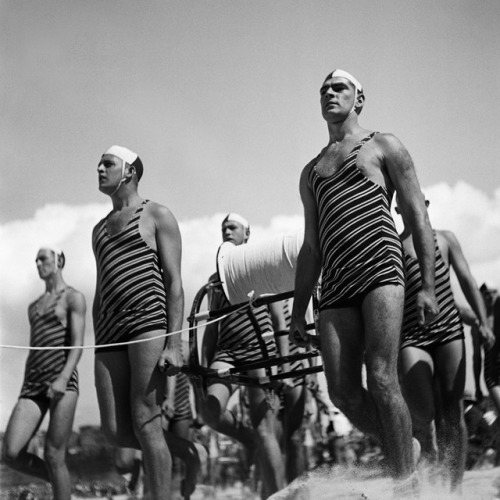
(139, 297)
(432, 356)
(57, 319)
(350, 238)
(234, 341)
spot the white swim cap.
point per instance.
(127, 156)
(237, 218)
(348, 76)
(57, 251)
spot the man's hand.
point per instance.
(168, 408)
(170, 361)
(487, 336)
(427, 307)
(297, 334)
(57, 389)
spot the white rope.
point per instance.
(118, 344)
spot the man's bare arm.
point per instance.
(76, 309)
(411, 202)
(308, 261)
(468, 285)
(169, 244)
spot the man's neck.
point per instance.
(125, 198)
(54, 283)
(338, 131)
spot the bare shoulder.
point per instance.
(306, 172)
(446, 235)
(388, 143)
(75, 299)
(160, 214)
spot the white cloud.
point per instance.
(470, 214)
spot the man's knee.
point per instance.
(382, 382)
(9, 454)
(211, 412)
(346, 398)
(54, 456)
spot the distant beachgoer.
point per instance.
(292, 394)
(57, 319)
(492, 358)
(469, 318)
(139, 296)
(350, 238)
(226, 344)
(434, 353)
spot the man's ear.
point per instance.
(360, 102)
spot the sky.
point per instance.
(221, 101)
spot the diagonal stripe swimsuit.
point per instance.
(358, 239)
(132, 293)
(447, 325)
(43, 367)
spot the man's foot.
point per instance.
(198, 453)
(407, 488)
(417, 451)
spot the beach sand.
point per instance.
(359, 484)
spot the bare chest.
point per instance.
(117, 221)
(332, 159)
(49, 302)
(365, 160)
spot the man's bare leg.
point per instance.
(263, 417)
(147, 385)
(214, 411)
(417, 368)
(342, 350)
(450, 371)
(23, 424)
(375, 329)
(130, 407)
(293, 441)
(62, 413)
(383, 314)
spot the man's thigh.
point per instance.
(147, 382)
(450, 368)
(112, 381)
(62, 413)
(417, 370)
(24, 422)
(382, 315)
(342, 346)
(219, 391)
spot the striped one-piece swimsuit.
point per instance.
(294, 349)
(43, 367)
(238, 340)
(358, 239)
(447, 325)
(132, 294)
(182, 410)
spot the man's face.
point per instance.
(337, 96)
(109, 173)
(489, 296)
(234, 232)
(45, 263)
